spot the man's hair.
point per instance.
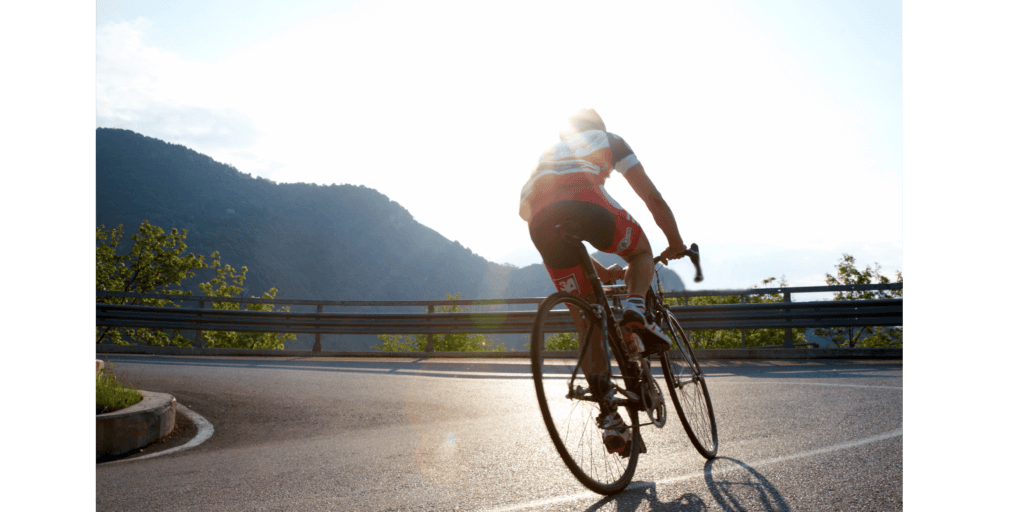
(582, 120)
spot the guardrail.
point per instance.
(786, 314)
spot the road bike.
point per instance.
(571, 409)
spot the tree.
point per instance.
(442, 342)
(736, 338)
(156, 262)
(866, 337)
(219, 287)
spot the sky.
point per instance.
(774, 129)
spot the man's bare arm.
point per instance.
(662, 213)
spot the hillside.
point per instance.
(332, 242)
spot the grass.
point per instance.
(112, 395)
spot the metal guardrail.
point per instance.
(787, 315)
(843, 313)
(787, 290)
(488, 302)
(323, 323)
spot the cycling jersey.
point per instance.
(568, 185)
(575, 169)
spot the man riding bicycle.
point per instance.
(567, 189)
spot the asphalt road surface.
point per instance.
(358, 434)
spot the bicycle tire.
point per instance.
(571, 422)
(685, 382)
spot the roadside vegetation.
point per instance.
(863, 337)
(111, 394)
(560, 341)
(442, 342)
(738, 338)
(157, 263)
(849, 337)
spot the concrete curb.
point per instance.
(205, 433)
(120, 432)
(702, 354)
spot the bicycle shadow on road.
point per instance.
(643, 495)
(736, 486)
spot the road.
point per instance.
(358, 434)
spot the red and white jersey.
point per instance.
(576, 168)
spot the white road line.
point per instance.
(700, 474)
(205, 432)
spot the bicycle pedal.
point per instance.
(575, 394)
(628, 449)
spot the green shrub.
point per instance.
(112, 395)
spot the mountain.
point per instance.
(329, 242)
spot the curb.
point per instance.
(205, 433)
(123, 431)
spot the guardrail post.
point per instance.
(743, 332)
(787, 341)
(430, 336)
(199, 332)
(316, 344)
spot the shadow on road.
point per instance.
(734, 485)
(479, 368)
(647, 495)
(803, 369)
(739, 487)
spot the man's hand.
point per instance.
(612, 274)
(672, 252)
(608, 275)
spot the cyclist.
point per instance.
(567, 188)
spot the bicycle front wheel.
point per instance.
(685, 382)
(569, 408)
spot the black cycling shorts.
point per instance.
(607, 228)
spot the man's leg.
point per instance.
(616, 435)
(593, 362)
(640, 271)
(639, 275)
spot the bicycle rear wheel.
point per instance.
(685, 382)
(570, 410)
